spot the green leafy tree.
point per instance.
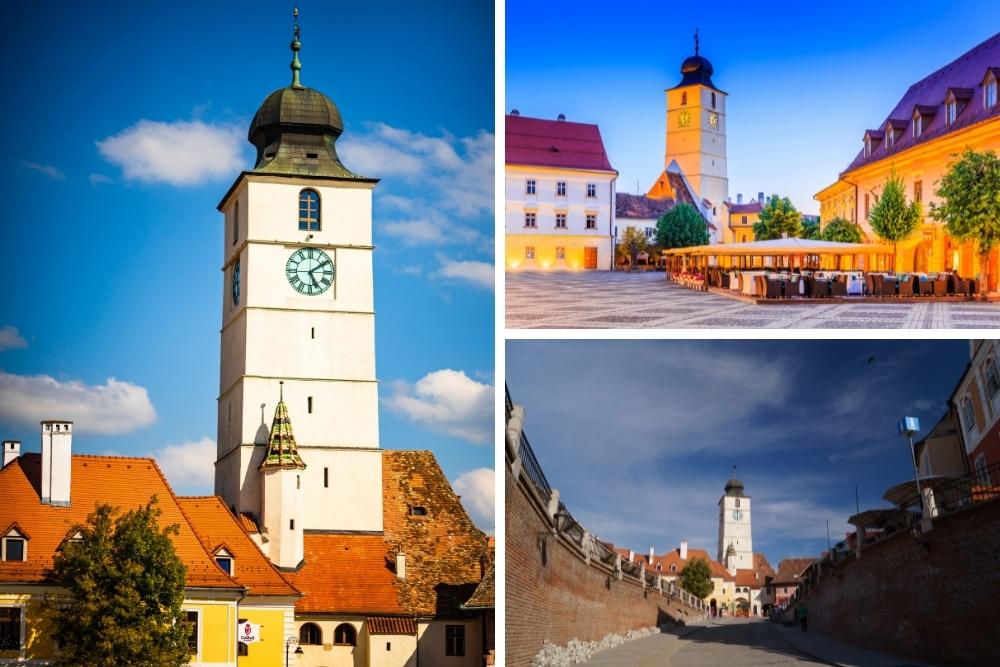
(125, 587)
(970, 202)
(696, 578)
(892, 218)
(810, 229)
(778, 219)
(843, 231)
(633, 242)
(681, 227)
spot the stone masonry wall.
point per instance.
(937, 603)
(553, 593)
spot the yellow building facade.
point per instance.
(739, 226)
(952, 110)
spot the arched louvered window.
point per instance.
(992, 377)
(309, 211)
(345, 635)
(310, 634)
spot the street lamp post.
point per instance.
(292, 641)
(907, 427)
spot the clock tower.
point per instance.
(298, 317)
(735, 540)
(696, 134)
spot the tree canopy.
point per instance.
(681, 227)
(633, 242)
(696, 578)
(125, 587)
(892, 218)
(810, 229)
(970, 200)
(778, 219)
(843, 231)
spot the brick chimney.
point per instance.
(57, 461)
(11, 450)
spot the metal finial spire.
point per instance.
(734, 472)
(696, 41)
(281, 397)
(296, 45)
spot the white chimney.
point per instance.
(11, 450)
(650, 555)
(684, 550)
(401, 566)
(739, 198)
(631, 555)
(57, 461)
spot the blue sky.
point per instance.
(805, 80)
(640, 437)
(127, 125)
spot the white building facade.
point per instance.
(735, 549)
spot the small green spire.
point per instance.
(281, 449)
(296, 45)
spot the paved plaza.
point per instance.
(617, 300)
(737, 642)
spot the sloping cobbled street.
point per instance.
(617, 300)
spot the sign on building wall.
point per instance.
(247, 632)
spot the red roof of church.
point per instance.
(555, 143)
(963, 76)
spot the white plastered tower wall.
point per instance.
(282, 513)
(57, 461)
(733, 530)
(322, 347)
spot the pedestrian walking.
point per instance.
(803, 617)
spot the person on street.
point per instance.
(803, 617)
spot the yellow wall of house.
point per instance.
(37, 643)
(431, 644)
(216, 631)
(735, 230)
(270, 650)
(929, 249)
(545, 252)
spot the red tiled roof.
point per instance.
(484, 596)
(790, 569)
(748, 578)
(640, 207)
(126, 483)
(216, 526)
(247, 522)
(555, 143)
(673, 557)
(762, 567)
(964, 77)
(391, 625)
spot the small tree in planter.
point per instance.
(842, 231)
(970, 208)
(892, 218)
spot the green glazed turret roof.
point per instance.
(281, 450)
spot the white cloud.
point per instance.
(45, 169)
(415, 232)
(99, 179)
(179, 153)
(113, 408)
(477, 488)
(189, 465)
(10, 338)
(478, 273)
(447, 401)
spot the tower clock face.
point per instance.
(236, 283)
(683, 119)
(713, 120)
(737, 515)
(309, 271)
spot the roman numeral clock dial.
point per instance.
(309, 271)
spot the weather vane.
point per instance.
(296, 45)
(695, 41)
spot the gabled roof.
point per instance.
(640, 207)
(391, 625)
(483, 598)
(790, 570)
(752, 207)
(123, 482)
(673, 557)
(217, 527)
(963, 77)
(555, 143)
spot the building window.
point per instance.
(236, 222)
(560, 221)
(684, 99)
(529, 252)
(291, 524)
(560, 188)
(649, 233)
(592, 190)
(744, 220)
(982, 474)
(890, 137)
(309, 211)
(737, 502)
(591, 221)
(10, 628)
(968, 414)
(990, 94)
(992, 377)
(918, 191)
(309, 404)
(713, 100)
(310, 634)
(224, 560)
(345, 635)
(530, 220)
(529, 186)
(560, 253)
(326, 478)
(192, 620)
(950, 112)
(454, 640)
(673, 568)
(868, 146)
(867, 204)
(418, 510)
(15, 546)
(918, 125)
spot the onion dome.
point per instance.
(281, 450)
(734, 487)
(696, 69)
(296, 128)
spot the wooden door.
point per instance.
(590, 258)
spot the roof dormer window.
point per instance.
(918, 125)
(954, 102)
(868, 146)
(890, 137)
(990, 88)
(224, 559)
(950, 112)
(14, 546)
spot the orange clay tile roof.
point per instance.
(748, 578)
(484, 595)
(762, 567)
(445, 553)
(216, 527)
(391, 625)
(789, 570)
(673, 557)
(349, 573)
(247, 522)
(126, 483)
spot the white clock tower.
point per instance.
(297, 309)
(735, 537)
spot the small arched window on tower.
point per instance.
(236, 222)
(737, 502)
(344, 635)
(309, 211)
(684, 98)
(713, 100)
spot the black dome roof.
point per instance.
(696, 70)
(307, 110)
(734, 487)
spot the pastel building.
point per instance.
(739, 227)
(941, 115)
(976, 400)
(560, 195)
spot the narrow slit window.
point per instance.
(309, 404)
(326, 478)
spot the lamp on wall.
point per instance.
(290, 642)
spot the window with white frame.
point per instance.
(560, 252)
(224, 559)
(918, 125)
(649, 233)
(992, 377)
(10, 629)
(592, 190)
(890, 137)
(14, 546)
(560, 188)
(990, 94)
(529, 186)
(982, 474)
(193, 618)
(529, 252)
(868, 146)
(560, 221)
(530, 219)
(950, 112)
(968, 415)
(591, 221)
(236, 222)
